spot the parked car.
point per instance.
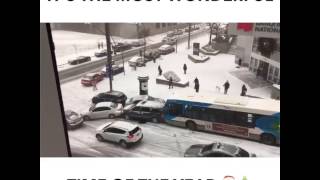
(74, 119)
(121, 132)
(90, 78)
(193, 28)
(102, 53)
(110, 96)
(151, 54)
(116, 69)
(137, 43)
(136, 61)
(79, 60)
(121, 47)
(178, 32)
(103, 110)
(166, 49)
(146, 111)
(216, 149)
(170, 34)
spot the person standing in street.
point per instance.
(159, 70)
(98, 45)
(170, 83)
(240, 61)
(185, 68)
(154, 59)
(94, 85)
(226, 87)
(196, 84)
(101, 45)
(243, 90)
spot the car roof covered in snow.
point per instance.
(150, 104)
(165, 46)
(123, 125)
(135, 58)
(104, 104)
(235, 103)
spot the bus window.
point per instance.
(217, 115)
(243, 119)
(229, 117)
(175, 109)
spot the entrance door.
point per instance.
(264, 69)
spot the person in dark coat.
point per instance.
(240, 61)
(243, 90)
(226, 87)
(170, 83)
(98, 45)
(154, 59)
(101, 45)
(159, 70)
(185, 68)
(196, 84)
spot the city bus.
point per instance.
(251, 118)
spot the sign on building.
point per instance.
(269, 30)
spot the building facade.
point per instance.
(124, 30)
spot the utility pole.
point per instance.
(109, 66)
(189, 36)
(211, 26)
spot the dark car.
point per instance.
(89, 79)
(121, 47)
(74, 120)
(102, 53)
(216, 150)
(79, 60)
(152, 54)
(166, 49)
(111, 96)
(116, 69)
(146, 111)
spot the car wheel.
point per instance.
(123, 144)
(268, 139)
(155, 120)
(191, 125)
(111, 116)
(99, 137)
(86, 118)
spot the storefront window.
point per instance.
(276, 72)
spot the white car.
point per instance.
(131, 102)
(103, 110)
(136, 61)
(121, 132)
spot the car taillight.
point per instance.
(130, 136)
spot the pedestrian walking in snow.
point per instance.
(226, 87)
(101, 45)
(170, 83)
(94, 85)
(240, 61)
(196, 84)
(243, 90)
(159, 70)
(154, 59)
(98, 45)
(185, 68)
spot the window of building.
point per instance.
(157, 25)
(164, 24)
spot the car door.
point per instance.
(113, 134)
(97, 113)
(135, 112)
(145, 113)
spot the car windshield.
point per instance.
(207, 148)
(243, 153)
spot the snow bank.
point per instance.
(198, 59)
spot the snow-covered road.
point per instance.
(161, 139)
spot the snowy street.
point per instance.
(162, 140)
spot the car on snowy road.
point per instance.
(90, 78)
(103, 110)
(79, 60)
(115, 69)
(135, 100)
(166, 49)
(101, 53)
(216, 149)
(121, 47)
(136, 61)
(74, 120)
(169, 40)
(110, 96)
(151, 54)
(145, 111)
(121, 132)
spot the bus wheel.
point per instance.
(191, 125)
(268, 139)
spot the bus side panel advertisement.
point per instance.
(229, 129)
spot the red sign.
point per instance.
(230, 129)
(246, 27)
